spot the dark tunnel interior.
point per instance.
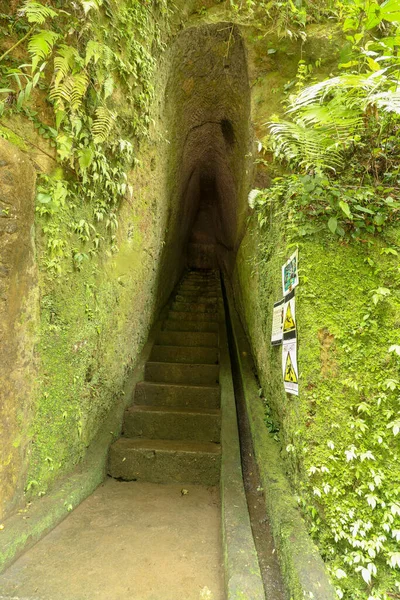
(208, 109)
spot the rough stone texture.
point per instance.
(177, 395)
(182, 373)
(184, 354)
(208, 107)
(18, 319)
(161, 422)
(165, 461)
(128, 541)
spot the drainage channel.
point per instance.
(269, 565)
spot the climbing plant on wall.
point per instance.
(338, 143)
(81, 59)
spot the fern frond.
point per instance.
(80, 85)
(333, 118)
(41, 45)
(88, 5)
(37, 13)
(103, 124)
(317, 92)
(70, 92)
(67, 60)
(71, 80)
(305, 146)
(388, 101)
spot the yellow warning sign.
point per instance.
(289, 322)
(290, 373)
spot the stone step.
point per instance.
(176, 315)
(185, 338)
(163, 372)
(196, 292)
(154, 422)
(199, 283)
(203, 326)
(204, 276)
(184, 354)
(177, 395)
(206, 285)
(165, 461)
(212, 300)
(194, 307)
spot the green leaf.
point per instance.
(390, 10)
(332, 224)
(85, 158)
(37, 13)
(379, 219)
(374, 16)
(346, 209)
(41, 45)
(365, 210)
(21, 98)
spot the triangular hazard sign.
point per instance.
(290, 373)
(289, 323)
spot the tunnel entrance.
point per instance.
(209, 166)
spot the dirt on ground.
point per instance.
(128, 541)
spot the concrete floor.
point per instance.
(128, 541)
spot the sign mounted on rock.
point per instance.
(289, 366)
(290, 273)
(289, 320)
(277, 323)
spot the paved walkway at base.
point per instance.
(128, 541)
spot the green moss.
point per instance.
(13, 138)
(345, 373)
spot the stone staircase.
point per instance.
(171, 433)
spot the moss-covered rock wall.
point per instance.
(18, 319)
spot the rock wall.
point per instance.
(19, 300)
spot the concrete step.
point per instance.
(194, 307)
(154, 422)
(181, 373)
(184, 354)
(177, 395)
(176, 315)
(165, 461)
(203, 326)
(185, 338)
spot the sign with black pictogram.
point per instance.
(289, 366)
(289, 314)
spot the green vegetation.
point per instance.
(78, 82)
(339, 202)
(83, 78)
(83, 61)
